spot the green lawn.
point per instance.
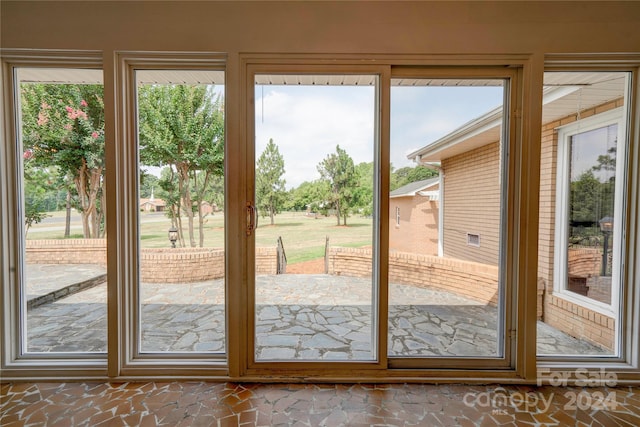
(303, 236)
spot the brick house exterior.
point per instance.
(472, 205)
(470, 200)
(413, 218)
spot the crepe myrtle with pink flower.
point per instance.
(63, 132)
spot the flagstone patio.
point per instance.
(300, 317)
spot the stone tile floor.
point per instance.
(301, 317)
(233, 404)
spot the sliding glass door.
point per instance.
(314, 217)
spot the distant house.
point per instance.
(413, 218)
(208, 208)
(152, 205)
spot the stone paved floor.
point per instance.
(230, 404)
(46, 278)
(296, 319)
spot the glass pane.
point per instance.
(445, 218)
(314, 195)
(181, 211)
(62, 132)
(579, 252)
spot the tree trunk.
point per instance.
(67, 223)
(187, 205)
(94, 191)
(200, 192)
(81, 185)
(176, 208)
(103, 207)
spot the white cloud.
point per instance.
(308, 122)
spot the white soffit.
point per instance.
(363, 80)
(59, 75)
(447, 82)
(564, 94)
(92, 76)
(316, 80)
(589, 90)
(205, 77)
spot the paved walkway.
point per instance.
(301, 317)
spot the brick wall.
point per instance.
(579, 321)
(584, 262)
(472, 204)
(181, 265)
(267, 260)
(66, 251)
(470, 279)
(571, 318)
(156, 265)
(418, 229)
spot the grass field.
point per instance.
(303, 236)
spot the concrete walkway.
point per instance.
(300, 317)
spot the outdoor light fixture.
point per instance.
(606, 226)
(173, 236)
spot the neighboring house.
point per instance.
(208, 208)
(152, 205)
(413, 218)
(582, 122)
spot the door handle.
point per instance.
(251, 214)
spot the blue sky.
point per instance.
(307, 122)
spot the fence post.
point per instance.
(282, 258)
(326, 255)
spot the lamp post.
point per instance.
(173, 236)
(606, 226)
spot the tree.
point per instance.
(148, 184)
(407, 175)
(339, 171)
(182, 127)
(363, 192)
(270, 190)
(36, 183)
(310, 196)
(63, 128)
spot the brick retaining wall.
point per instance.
(67, 251)
(157, 265)
(470, 279)
(579, 321)
(585, 262)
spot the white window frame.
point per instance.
(130, 360)
(13, 355)
(122, 174)
(560, 273)
(397, 216)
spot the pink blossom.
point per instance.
(69, 109)
(76, 114)
(68, 126)
(94, 135)
(42, 118)
(45, 106)
(28, 154)
(83, 103)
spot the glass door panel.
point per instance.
(314, 187)
(64, 290)
(584, 145)
(445, 218)
(181, 219)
